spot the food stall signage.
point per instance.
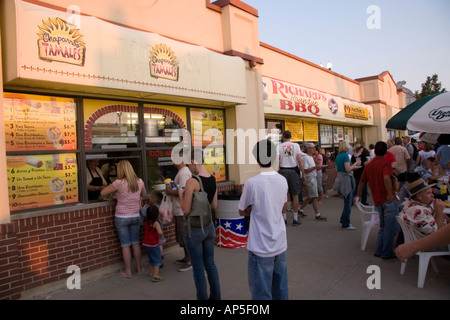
(61, 41)
(163, 63)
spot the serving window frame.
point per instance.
(83, 153)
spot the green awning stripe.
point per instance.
(400, 120)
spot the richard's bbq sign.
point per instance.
(285, 98)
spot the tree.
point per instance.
(431, 86)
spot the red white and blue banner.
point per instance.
(231, 233)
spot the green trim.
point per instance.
(400, 120)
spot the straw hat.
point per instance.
(418, 186)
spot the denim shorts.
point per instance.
(154, 256)
(128, 230)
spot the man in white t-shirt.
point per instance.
(262, 199)
(311, 181)
(290, 167)
(183, 175)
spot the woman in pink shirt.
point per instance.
(129, 189)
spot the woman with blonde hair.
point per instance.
(129, 189)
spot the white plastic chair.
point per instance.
(411, 234)
(369, 218)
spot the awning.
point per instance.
(98, 54)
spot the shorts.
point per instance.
(311, 185)
(319, 182)
(293, 181)
(128, 230)
(154, 256)
(179, 230)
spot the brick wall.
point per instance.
(37, 251)
(10, 277)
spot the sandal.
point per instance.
(123, 274)
(157, 279)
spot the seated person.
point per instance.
(421, 210)
(425, 170)
(403, 194)
(436, 170)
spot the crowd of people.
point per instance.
(401, 175)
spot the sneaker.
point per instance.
(350, 227)
(181, 261)
(320, 218)
(296, 223)
(301, 214)
(185, 267)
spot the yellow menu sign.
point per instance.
(41, 180)
(37, 123)
(208, 131)
(207, 127)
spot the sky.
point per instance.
(362, 38)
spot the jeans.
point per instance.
(267, 277)
(201, 253)
(128, 230)
(363, 193)
(389, 227)
(345, 216)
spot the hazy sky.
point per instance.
(411, 38)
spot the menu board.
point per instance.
(207, 127)
(296, 129)
(311, 130)
(38, 123)
(215, 162)
(41, 180)
(208, 130)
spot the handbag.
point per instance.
(166, 210)
(201, 213)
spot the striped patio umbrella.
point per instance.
(430, 114)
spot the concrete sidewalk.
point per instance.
(324, 262)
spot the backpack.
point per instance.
(416, 152)
(201, 213)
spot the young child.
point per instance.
(153, 236)
(156, 198)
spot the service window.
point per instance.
(111, 124)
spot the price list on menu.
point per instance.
(208, 131)
(41, 180)
(35, 123)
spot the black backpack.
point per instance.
(416, 152)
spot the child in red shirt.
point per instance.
(153, 235)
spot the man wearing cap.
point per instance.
(378, 173)
(311, 181)
(290, 166)
(421, 210)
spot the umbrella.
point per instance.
(429, 114)
(441, 138)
